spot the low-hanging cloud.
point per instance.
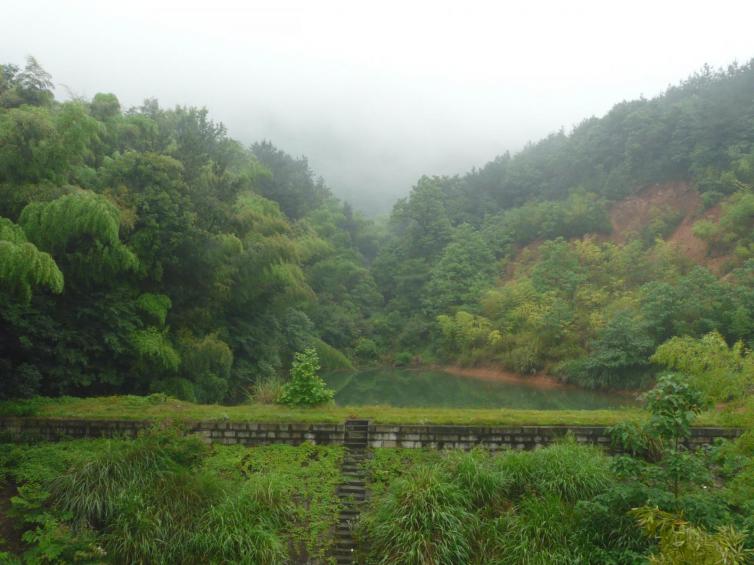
(377, 95)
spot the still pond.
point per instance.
(436, 389)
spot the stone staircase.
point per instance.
(352, 491)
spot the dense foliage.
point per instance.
(514, 264)
(146, 251)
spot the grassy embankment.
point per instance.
(159, 408)
(167, 498)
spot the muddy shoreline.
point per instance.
(540, 381)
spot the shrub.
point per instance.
(306, 388)
(177, 387)
(366, 349)
(679, 542)
(635, 440)
(403, 359)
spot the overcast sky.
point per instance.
(378, 93)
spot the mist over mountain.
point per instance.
(378, 96)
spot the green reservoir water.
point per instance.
(431, 388)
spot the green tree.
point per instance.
(673, 405)
(720, 372)
(465, 268)
(22, 266)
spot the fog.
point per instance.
(377, 94)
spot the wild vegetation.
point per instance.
(144, 250)
(168, 498)
(152, 267)
(568, 503)
(514, 264)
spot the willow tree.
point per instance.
(23, 267)
(81, 230)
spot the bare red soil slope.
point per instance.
(633, 214)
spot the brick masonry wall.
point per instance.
(409, 436)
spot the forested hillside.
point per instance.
(517, 263)
(144, 250)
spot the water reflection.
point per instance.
(431, 388)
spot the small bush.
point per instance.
(177, 387)
(306, 388)
(403, 359)
(366, 349)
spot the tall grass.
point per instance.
(156, 524)
(566, 469)
(153, 503)
(515, 507)
(482, 484)
(539, 531)
(266, 391)
(422, 519)
(241, 528)
(92, 490)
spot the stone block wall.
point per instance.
(408, 436)
(246, 433)
(509, 437)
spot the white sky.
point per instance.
(377, 94)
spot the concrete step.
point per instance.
(347, 487)
(352, 490)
